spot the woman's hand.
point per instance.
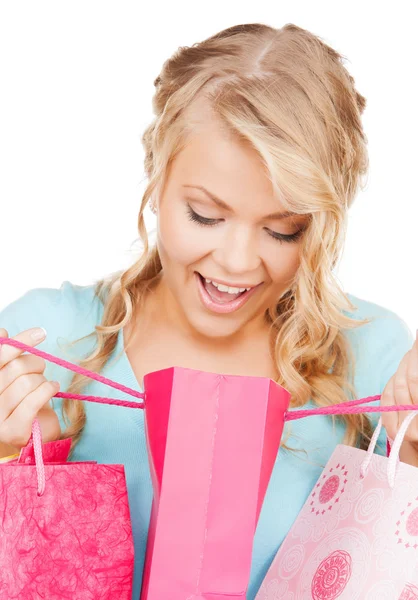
(24, 395)
(402, 388)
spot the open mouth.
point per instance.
(216, 294)
(222, 301)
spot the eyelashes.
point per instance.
(281, 237)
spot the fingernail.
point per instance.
(39, 334)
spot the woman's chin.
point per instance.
(213, 328)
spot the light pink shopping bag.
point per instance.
(212, 443)
(356, 537)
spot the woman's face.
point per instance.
(235, 242)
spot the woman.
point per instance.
(253, 159)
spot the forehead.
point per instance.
(232, 171)
(228, 167)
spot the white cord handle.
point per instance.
(370, 450)
(394, 451)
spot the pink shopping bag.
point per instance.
(212, 443)
(65, 529)
(356, 537)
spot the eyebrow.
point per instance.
(225, 206)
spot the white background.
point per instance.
(76, 83)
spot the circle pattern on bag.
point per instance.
(328, 573)
(369, 505)
(331, 576)
(412, 523)
(407, 526)
(292, 561)
(329, 489)
(410, 592)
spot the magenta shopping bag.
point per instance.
(212, 443)
(65, 529)
(356, 537)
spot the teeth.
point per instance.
(226, 288)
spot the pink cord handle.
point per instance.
(349, 407)
(39, 461)
(82, 371)
(36, 430)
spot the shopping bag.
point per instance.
(356, 536)
(65, 529)
(212, 442)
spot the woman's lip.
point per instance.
(236, 285)
(216, 307)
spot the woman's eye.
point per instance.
(281, 237)
(292, 237)
(193, 216)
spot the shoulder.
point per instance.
(68, 313)
(49, 307)
(379, 344)
(384, 324)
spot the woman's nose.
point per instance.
(238, 253)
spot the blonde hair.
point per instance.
(287, 94)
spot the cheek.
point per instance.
(283, 264)
(180, 241)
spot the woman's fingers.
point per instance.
(30, 337)
(17, 391)
(20, 421)
(412, 381)
(24, 391)
(389, 419)
(412, 372)
(402, 389)
(22, 365)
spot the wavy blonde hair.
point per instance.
(287, 93)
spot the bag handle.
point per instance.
(77, 369)
(394, 451)
(39, 459)
(349, 407)
(36, 430)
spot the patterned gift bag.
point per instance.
(356, 537)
